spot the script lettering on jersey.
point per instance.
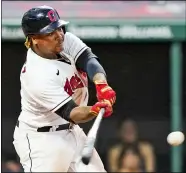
(72, 84)
(51, 15)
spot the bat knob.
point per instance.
(85, 160)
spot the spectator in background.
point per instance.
(130, 159)
(10, 163)
(11, 166)
(129, 136)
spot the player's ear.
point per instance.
(34, 40)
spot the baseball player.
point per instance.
(54, 95)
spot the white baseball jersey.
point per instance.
(47, 84)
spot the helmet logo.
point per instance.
(51, 15)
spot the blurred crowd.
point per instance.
(129, 154)
(10, 163)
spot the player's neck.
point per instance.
(44, 55)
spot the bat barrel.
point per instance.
(88, 150)
(91, 139)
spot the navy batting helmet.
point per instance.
(41, 20)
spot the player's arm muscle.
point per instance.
(84, 58)
(89, 63)
(75, 114)
(81, 114)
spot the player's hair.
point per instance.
(27, 42)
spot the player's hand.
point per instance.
(105, 92)
(103, 104)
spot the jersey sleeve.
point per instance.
(73, 45)
(49, 93)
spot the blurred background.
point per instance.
(142, 46)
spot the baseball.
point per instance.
(175, 138)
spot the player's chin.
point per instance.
(59, 48)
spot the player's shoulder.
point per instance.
(73, 45)
(69, 34)
(71, 37)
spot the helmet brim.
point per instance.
(53, 26)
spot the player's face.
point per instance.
(51, 43)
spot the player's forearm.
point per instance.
(81, 114)
(99, 77)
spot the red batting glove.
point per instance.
(104, 104)
(105, 92)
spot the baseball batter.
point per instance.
(54, 96)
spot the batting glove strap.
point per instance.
(105, 92)
(104, 104)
